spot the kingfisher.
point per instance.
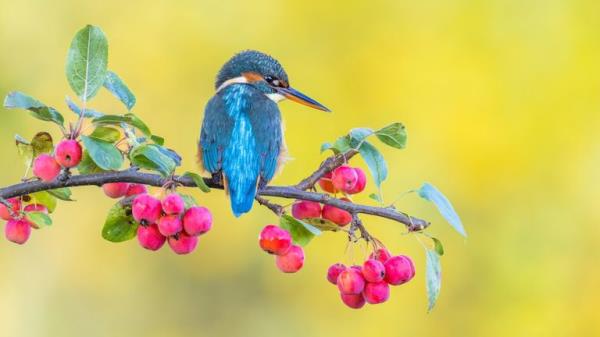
(241, 142)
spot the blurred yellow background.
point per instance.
(501, 100)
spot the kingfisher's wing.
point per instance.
(215, 135)
(265, 118)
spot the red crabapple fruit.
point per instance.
(182, 243)
(169, 225)
(15, 206)
(377, 292)
(291, 261)
(135, 189)
(36, 208)
(45, 167)
(399, 269)
(354, 301)
(373, 271)
(303, 209)
(197, 220)
(344, 178)
(361, 182)
(146, 209)
(351, 281)
(334, 271)
(326, 184)
(17, 230)
(150, 238)
(68, 153)
(381, 255)
(173, 204)
(275, 240)
(337, 215)
(115, 190)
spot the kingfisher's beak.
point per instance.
(297, 96)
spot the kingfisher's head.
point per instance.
(266, 74)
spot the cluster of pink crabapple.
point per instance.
(358, 285)
(46, 167)
(370, 283)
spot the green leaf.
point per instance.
(157, 140)
(88, 113)
(106, 133)
(87, 165)
(87, 60)
(375, 162)
(376, 197)
(18, 100)
(433, 277)
(119, 225)
(437, 246)
(25, 150)
(325, 147)
(322, 224)
(42, 143)
(129, 119)
(117, 87)
(103, 153)
(40, 219)
(150, 157)
(188, 200)
(44, 198)
(300, 231)
(63, 193)
(393, 135)
(198, 180)
(358, 135)
(431, 193)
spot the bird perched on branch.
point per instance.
(241, 142)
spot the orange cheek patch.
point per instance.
(252, 77)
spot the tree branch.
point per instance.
(133, 176)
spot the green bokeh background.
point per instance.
(501, 100)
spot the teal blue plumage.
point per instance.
(241, 138)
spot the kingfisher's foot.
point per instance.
(217, 179)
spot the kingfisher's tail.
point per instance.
(241, 194)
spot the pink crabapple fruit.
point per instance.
(303, 209)
(115, 190)
(173, 204)
(373, 271)
(275, 240)
(15, 206)
(146, 209)
(334, 271)
(344, 178)
(291, 261)
(169, 225)
(135, 189)
(399, 269)
(326, 184)
(377, 292)
(68, 153)
(350, 281)
(197, 220)
(150, 238)
(354, 301)
(381, 255)
(36, 208)
(17, 231)
(182, 243)
(361, 182)
(46, 167)
(337, 215)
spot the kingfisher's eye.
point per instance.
(273, 81)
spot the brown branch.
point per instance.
(326, 166)
(133, 176)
